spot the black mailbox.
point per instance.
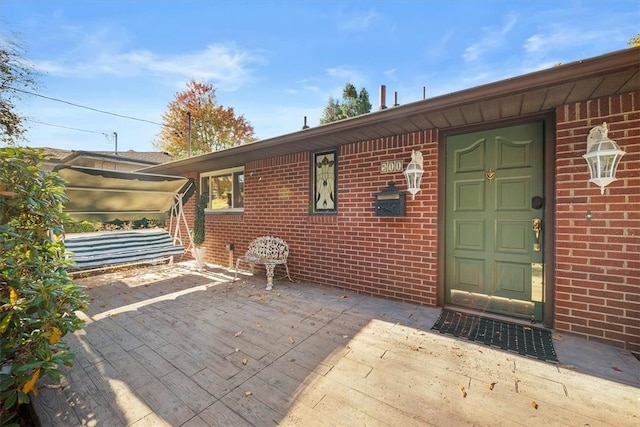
(391, 201)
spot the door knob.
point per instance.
(536, 226)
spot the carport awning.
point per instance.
(105, 195)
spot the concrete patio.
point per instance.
(171, 346)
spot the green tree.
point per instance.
(213, 127)
(15, 74)
(38, 300)
(353, 104)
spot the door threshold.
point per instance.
(491, 315)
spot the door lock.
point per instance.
(536, 226)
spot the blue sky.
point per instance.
(277, 61)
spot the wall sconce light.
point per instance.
(414, 172)
(602, 156)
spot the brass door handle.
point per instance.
(536, 226)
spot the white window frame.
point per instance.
(222, 172)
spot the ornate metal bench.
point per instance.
(269, 251)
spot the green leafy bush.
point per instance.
(73, 226)
(198, 223)
(38, 300)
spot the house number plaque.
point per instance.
(391, 166)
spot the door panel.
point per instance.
(490, 258)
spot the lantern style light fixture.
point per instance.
(603, 156)
(414, 172)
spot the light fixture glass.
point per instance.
(414, 172)
(603, 156)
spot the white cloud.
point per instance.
(346, 74)
(390, 73)
(558, 37)
(224, 64)
(494, 37)
(356, 22)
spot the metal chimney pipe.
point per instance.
(383, 97)
(395, 99)
(305, 126)
(424, 93)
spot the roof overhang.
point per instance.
(526, 95)
(104, 195)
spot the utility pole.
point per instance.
(115, 138)
(188, 133)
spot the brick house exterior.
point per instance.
(597, 276)
(592, 267)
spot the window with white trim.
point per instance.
(225, 189)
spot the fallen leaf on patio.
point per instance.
(557, 337)
(244, 361)
(615, 368)
(282, 311)
(114, 315)
(534, 405)
(491, 385)
(291, 340)
(292, 360)
(238, 334)
(258, 325)
(248, 393)
(462, 391)
(344, 296)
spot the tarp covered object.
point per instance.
(105, 195)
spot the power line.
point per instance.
(88, 108)
(64, 127)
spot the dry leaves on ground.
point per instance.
(463, 392)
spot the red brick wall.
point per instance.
(354, 249)
(598, 261)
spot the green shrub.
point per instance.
(198, 223)
(38, 300)
(73, 226)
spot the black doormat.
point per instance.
(521, 339)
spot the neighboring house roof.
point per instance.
(148, 158)
(144, 158)
(529, 94)
(56, 154)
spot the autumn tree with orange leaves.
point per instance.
(213, 127)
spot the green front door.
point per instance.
(494, 256)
